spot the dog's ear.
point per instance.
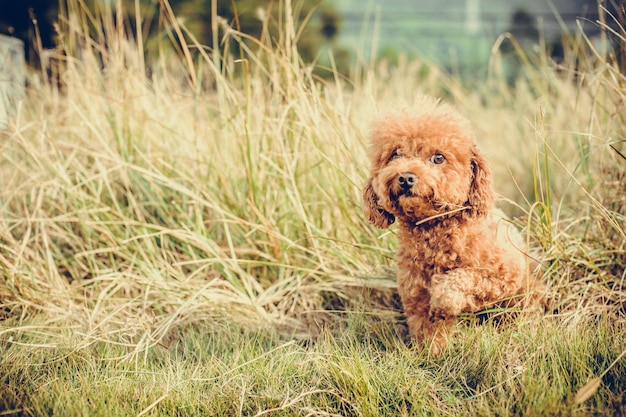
(481, 194)
(373, 211)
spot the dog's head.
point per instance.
(425, 163)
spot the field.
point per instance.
(182, 234)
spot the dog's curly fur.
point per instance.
(456, 253)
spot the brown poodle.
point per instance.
(455, 252)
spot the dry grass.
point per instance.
(147, 203)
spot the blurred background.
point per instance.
(457, 35)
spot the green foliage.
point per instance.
(237, 29)
(259, 18)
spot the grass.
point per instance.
(183, 235)
(357, 369)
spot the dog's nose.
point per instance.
(406, 180)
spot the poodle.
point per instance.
(456, 253)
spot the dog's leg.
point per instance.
(427, 333)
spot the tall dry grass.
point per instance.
(139, 196)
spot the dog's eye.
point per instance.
(437, 159)
(394, 155)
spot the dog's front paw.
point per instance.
(438, 312)
(446, 301)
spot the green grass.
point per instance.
(183, 234)
(354, 368)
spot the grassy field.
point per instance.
(182, 234)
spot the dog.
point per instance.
(456, 252)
